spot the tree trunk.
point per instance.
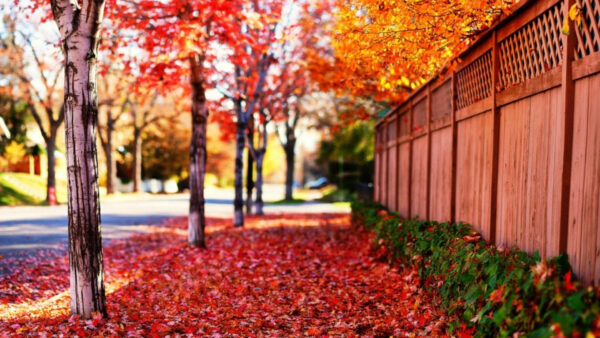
(238, 202)
(137, 159)
(289, 175)
(250, 168)
(111, 165)
(260, 155)
(196, 220)
(79, 28)
(50, 152)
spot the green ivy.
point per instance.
(498, 292)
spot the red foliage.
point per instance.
(292, 274)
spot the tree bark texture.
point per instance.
(250, 166)
(289, 160)
(111, 165)
(51, 154)
(196, 220)
(79, 28)
(238, 201)
(137, 159)
(260, 156)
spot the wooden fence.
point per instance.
(510, 141)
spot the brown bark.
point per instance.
(196, 223)
(289, 161)
(289, 174)
(137, 159)
(250, 166)
(260, 156)
(238, 201)
(107, 147)
(50, 153)
(79, 28)
(111, 165)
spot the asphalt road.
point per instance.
(44, 227)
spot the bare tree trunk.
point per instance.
(260, 155)
(137, 159)
(51, 154)
(238, 202)
(289, 160)
(111, 165)
(79, 28)
(196, 223)
(250, 167)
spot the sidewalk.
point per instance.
(280, 275)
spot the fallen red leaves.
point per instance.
(291, 274)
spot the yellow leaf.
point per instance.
(573, 12)
(565, 27)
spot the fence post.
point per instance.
(454, 149)
(376, 167)
(495, 140)
(410, 157)
(428, 181)
(567, 92)
(386, 169)
(398, 124)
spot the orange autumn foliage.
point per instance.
(384, 49)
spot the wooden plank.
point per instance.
(428, 136)
(377, 178)
(576, 237)
(592, 195)
(410, 162)
(384, 167)
(419, 178)
(568, 97)
(391, 178)
(454, 145)
(587, 66)
(512, 173)
(545, 81)
(476, 108)
(441, 124)
(495, 139)
(538, 188)
(404, 180)
(440, 175)
(555, 165)
(399, 174)
(473, 171)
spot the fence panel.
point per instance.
(584, 218)
(473, 172)
(510, 142)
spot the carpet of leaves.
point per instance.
(282, 275)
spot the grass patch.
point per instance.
(24, 189)
(333, 195)
(288, 201)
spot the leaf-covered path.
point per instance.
(280, 275)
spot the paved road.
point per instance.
(33, 228)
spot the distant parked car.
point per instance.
(318, 183)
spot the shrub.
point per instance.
(497, 292)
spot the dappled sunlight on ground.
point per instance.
(280, 274)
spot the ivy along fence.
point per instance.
(510, 141)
